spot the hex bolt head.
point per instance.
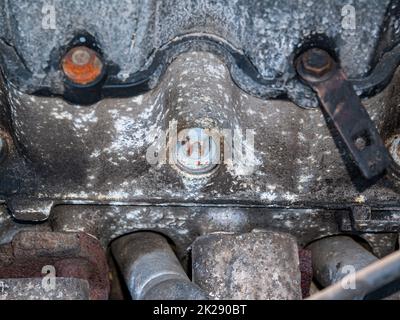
(316, 62)
(82, 65)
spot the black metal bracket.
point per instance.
(339, 100)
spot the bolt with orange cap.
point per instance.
(84, 71)
(82, 65)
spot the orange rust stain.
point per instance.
(82, 65)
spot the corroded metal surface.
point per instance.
(258, 265)
(306, 271)
(139, 38)
(99, 152)
(73, 255)
(184, 224)
(32, 289)
(84, 164)
(345, 110)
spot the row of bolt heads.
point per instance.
(83, 66)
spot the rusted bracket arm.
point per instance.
(338, 98)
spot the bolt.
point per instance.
(82, 65)
(360, 143)
(197, 151)
(317, 62)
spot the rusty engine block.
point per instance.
(199, 149)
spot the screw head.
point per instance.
(82, 65)
(360, 143)
(197, 152)
(317, 62)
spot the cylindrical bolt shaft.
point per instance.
(371, 278)
(332, 257)
(151, 269)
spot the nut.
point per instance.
(317, 62)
